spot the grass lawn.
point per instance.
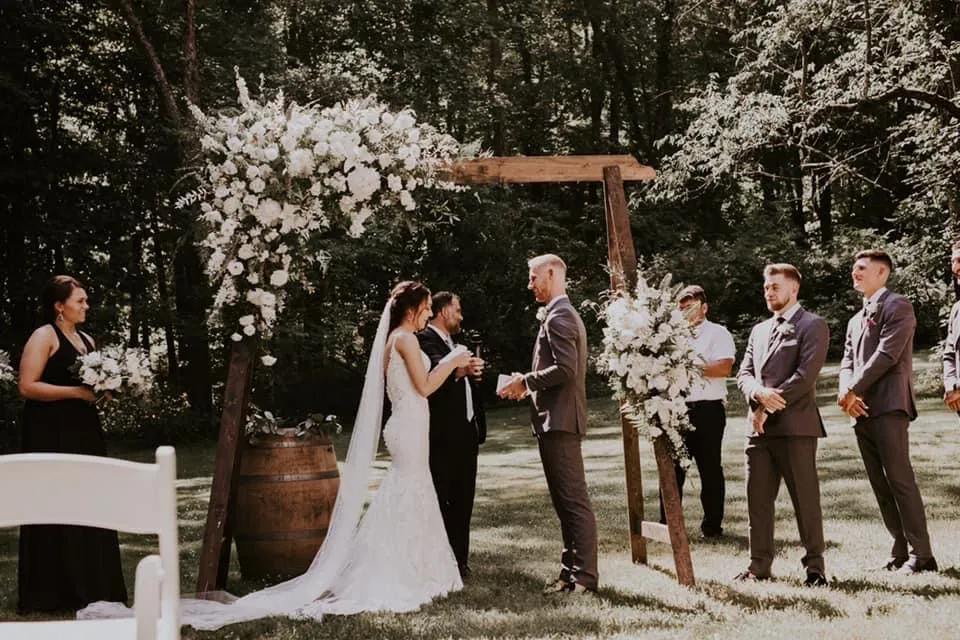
(516, 545)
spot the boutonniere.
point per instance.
(541, 314)
(870, 311)
(786, 330)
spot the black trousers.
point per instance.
(453, 465)
(704, 445)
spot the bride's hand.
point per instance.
(462, 360)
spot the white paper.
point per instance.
(456, 351)
(503, 381)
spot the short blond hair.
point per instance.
(784, 269)
(548, 260)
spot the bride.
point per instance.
(398, 557)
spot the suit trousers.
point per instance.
(453, 466)
(794, 459)
(704, 445)
(885, 448)
(563, 467)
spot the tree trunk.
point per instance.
(494, 57)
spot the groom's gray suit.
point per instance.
(877, 365)
(788, 359)
(558, 408)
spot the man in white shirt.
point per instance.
(705, 406)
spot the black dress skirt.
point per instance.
(63, 568)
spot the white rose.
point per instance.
(301, 163)
(236, 337)
(235, 268)
(394, 183)
(279, 278)
(271, 153)
(407, 201)
(249, 330)
(257, 185)
(246, 320)
(253, 278)
(230, 205)
(363, 183)
(245, 252)
(234, 144)
(229, 168)
(253, 172)
(268, 361)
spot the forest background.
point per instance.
(797, 131)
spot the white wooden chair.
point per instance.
(53, 488)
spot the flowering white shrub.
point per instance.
(276, 175)
(116, 369)
(8, 376)
(649, 358)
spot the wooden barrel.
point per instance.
(286, 489)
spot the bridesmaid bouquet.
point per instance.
(7, 374)
(649, 359)
(116, 369)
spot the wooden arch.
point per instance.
(612, 171)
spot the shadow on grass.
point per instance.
(820, 607)
(856, 586)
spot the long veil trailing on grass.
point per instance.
(308, 595)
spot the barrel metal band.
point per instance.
(281, 535)
(288, 477)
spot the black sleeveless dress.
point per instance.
(64, 568)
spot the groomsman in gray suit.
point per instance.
(778, 376)
(951, 363)
(876, 391)
(558, 408)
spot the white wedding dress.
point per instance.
(396, 558)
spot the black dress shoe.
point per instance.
(892, 564)
(915, 565)
(465, 572)
(749, 576)
(815, 579)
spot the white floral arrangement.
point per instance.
(116, 369)
(277, 175)
(650, 361)
(8, 376)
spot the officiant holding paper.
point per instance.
(458, 427)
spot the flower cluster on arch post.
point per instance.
(649, 359)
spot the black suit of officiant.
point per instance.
(454, 445)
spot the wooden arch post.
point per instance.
(612, 171)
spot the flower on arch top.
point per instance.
(276, 176)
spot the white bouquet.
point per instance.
(649, 358)
(7, 374)
(116, 369)
(276, 176)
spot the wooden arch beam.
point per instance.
(527, 169)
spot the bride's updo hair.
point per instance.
(405, 296)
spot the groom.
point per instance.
(557, 390)
(457, 427)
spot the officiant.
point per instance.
(457, 427)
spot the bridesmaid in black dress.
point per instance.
(63, 568)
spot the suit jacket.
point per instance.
(878, 357)
(951, 370)
(791, 363)
(448, 404)
(557, 382)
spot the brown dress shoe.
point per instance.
(749, 576)
(555, 587)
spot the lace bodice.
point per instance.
(400, 387)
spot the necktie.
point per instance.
(775, 331)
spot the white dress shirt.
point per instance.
(712, 342)
(449, 341)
